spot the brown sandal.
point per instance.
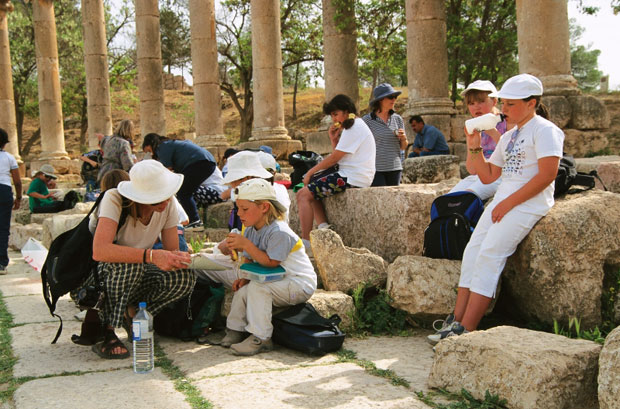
(104, 349)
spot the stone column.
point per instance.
(48, 80)
(207, 94)
(150, 79)
(7, 104)
(427, 61)
(96, 64)
(267, 71)
(544, 51)
(340, 50)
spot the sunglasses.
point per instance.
(392, 97)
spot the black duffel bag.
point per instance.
(302, 162)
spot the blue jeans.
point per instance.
(193, 176)
(6, 206)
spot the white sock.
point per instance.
(323, 226)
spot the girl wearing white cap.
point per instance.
(131, 270)
(476, 97)
(270, 242)
(526, 158)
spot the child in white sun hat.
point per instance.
(268, 241)
(527, 159)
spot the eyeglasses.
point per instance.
(392, 97)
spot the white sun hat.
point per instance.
(267, 161)
(258, 189)
(244, 164)
(480, 85)
(520, 87)
(150, 182)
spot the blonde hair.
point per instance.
(112, 178)
(272, 214)
(476, 95)
(125, 129)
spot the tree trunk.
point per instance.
(295, 92)
(36, 136)
(83, 124)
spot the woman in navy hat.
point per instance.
(388, 129)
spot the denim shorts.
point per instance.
(328, 185)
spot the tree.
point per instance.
(583, 60)
(481, 41)
(382, 41)
(175, 38)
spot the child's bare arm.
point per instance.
(547, 170)
(476, 164)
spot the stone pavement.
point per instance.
(67, 376)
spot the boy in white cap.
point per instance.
(270, 242)
(527, 159)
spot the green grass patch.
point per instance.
(462, 400)
(181, 383)
(7, 360)
(346, 355)
(374, 315)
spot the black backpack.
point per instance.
(453, 218)
(568, 177)
(302, 328)
(69, 262)
(187, 318)
(302, 162)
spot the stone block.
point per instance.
(318, 142)
(529, 369)
(20, 234)
(21, 216)
(430, 169)
(457, 124)
(558, 269)
(607, 167)
(328, 303)
(580, 143)
(609, 372)
(389, 221)
(344, 268)
(588, 112)
(218, 215)
(459, 149)
(55, 226)
(61, 166)
(560, 109)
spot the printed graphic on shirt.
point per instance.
(515, 160)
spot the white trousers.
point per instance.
(490, 246)
(473, 184)
(252, 304)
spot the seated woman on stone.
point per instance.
(354, 153)
(131, 271)
(39, 197)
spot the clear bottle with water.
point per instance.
(143, 347)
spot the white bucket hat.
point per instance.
(258, 189)
(244, 164)
(150, 182)
(520, 87)
(480, 85)
(267, 161)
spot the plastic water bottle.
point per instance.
(482, 123)
(143, 347)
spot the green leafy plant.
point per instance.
(463, 400)
(574, 331)
(373, 313)
(196, 243)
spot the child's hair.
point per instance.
(476, 95)
(542, 110)
(272, 214)
(125, 129)
(153, 140)
(112, 178)
(341, 103)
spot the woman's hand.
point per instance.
(238, 283)
(472, 139)
(170, 260)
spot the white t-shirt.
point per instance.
(283, 198)
(358, 165)
(538, 138)
(215, 181)
(7, 163)
(183, 217)
(134, 233)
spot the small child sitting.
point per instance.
(269, 241)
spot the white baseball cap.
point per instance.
(244, 164)
(258, 189)
(480, 85)
(520, 87)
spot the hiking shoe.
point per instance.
(251, 346)
(445, 324)
(195, 226)
(455, 329)
(232, 337)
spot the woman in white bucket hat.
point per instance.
(131, 270)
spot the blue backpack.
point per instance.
(453, 218)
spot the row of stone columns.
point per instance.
(7, 104)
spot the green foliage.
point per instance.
(374, 314)
(346, 355)
(7, 359)
(175, 37)
(197, 243)
(587, 6)
(574, 331)
(464, 400)
(382, 42)
(603, 152)
(481, 41)
(583, 60)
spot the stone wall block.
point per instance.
(21, 233)
(579, 143)
(55, 226)
(328, 303)
(218, 215)
(457, 124)
(609, 372)
(588, 113)
(557, 271)
(530, 369)
(344, 268)
(318, 142)
(560, 110)
(609, 172)
(430, 169)
(458, 149)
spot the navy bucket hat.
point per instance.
(383, 90)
